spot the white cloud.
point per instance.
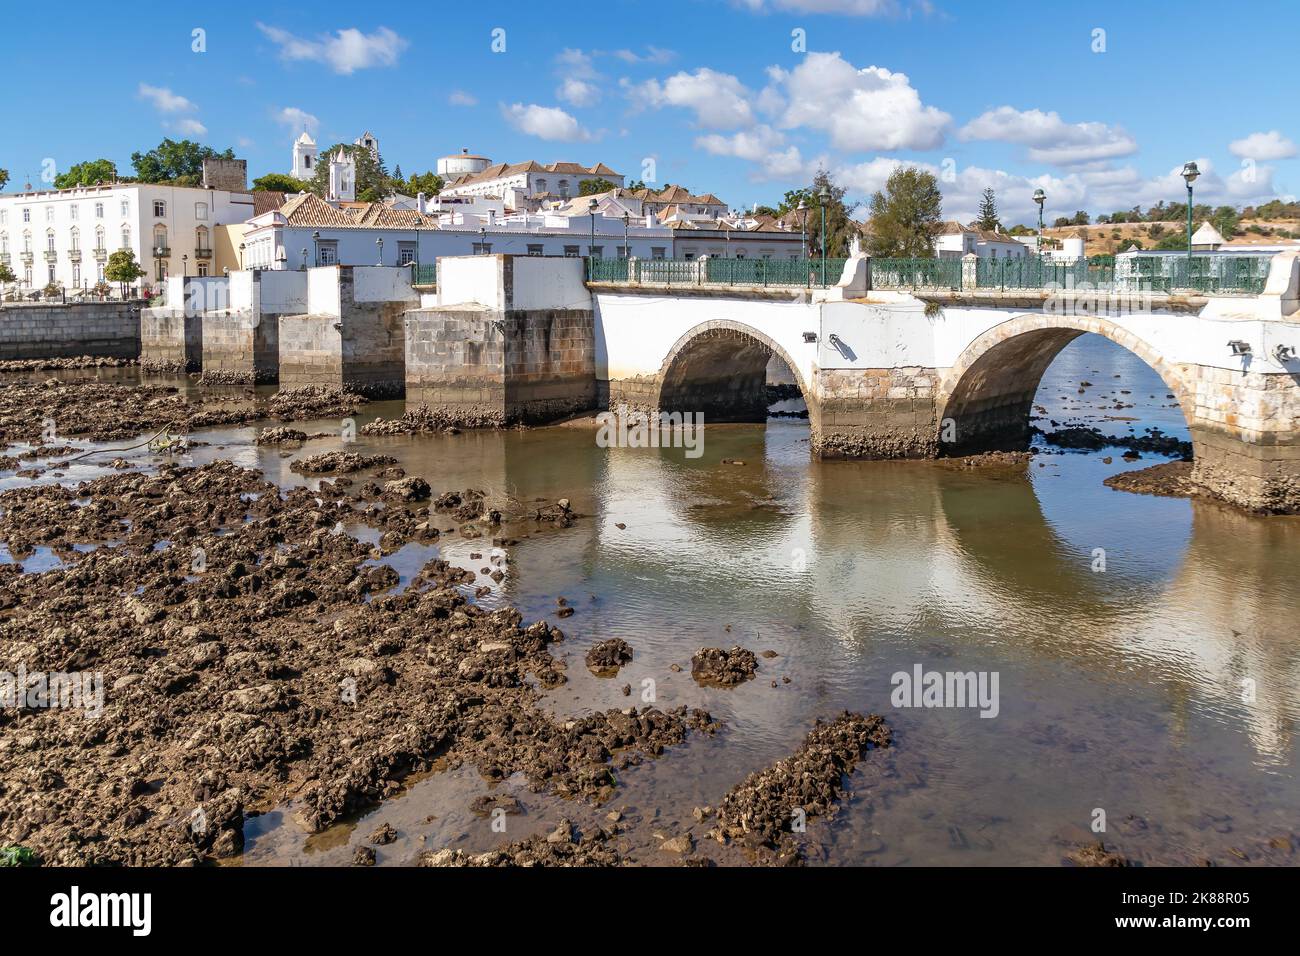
(345, 52)
(761, 145)
(719, 100)
(164, 100)
(1262, 147)
(189, 127)
(297, 119)
(578, 78)
(545, 122)
(461, 98)
(1050, 139)
(850, 8)
(578, 92)
(653, 54)
(867, 109)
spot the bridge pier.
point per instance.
(874, 413)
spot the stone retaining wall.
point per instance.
(56, 330)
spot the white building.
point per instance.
(305, 155)
(460, 164)
(955, 240)
(370, 141)
(65, 236)
(518, 183)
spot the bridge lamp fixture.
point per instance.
(591, 210)
(380, 243)
(1040, 197)
(1284, 353)
(304, 257)
(241, 255)
(824, 196)
(1190, 173)
(185, 262)
(1239, 347)
(803, 227)
(810, 337)
(315, 244)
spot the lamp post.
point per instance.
(380, 243)
(315, 245)
(304, 258)
(1190, 172)
(627, 252)
(824, 196)
(1040, 197)
(482, 240)
(591, 246)
(803, 228)
(241, 255)
(185, 260)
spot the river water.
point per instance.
(1145, 649)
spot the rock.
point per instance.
(606, 657)
(413, 488)
(364, 856)
(723, 668)
(681, 845)
(383, 835)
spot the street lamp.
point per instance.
(482, 240)
(825, 197)
(304, 258)
(1040, 197)
(185, 259)
(627, 252)
(380, 243)
(1190, 173)
(803, 227)
(591, 246)
(241, 255)
(315, 245)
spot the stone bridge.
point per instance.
(885, 374)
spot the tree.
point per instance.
(178, 163)
(590, 187)
(1080, 218)
(122, 268)
(428, 183)
(89, 173)
(1225, 220)
(988, 214)
(4, 177)
(6, 275)
(280, 183)
(840, 226)
(906, 215)
(1175, 240)
(373, 182)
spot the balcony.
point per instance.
(26, 257)
(202, 253)
(162, 252)
(74, 255)
(100, 253)
(51, 255)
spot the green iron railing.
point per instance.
(1198, 273)
(425, 273)
(916, 273)
(806, 273)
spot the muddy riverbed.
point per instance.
(365, 671)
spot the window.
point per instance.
(4, 217)
(159, 208)
(49, 213)
(200, 211)
(482, 248)
(564, 189)
(74, 212)
(571, 251)
(596, 252)
(541, 185)
(27, 214)
(50, 272)
(534, 249)
(76, 273)
(75, 241)
(329, 252)
(27, 275)
(4, 243)
(126, 237)
(99, 210)
(126, 207)
(621, 252)
(160, 239)
(306, 162)
(405, 253)
(203, 269)
(99, 272)
(201, 239)
(49, 240)
(99, 238)
(160, 269)
(690, 256)
(27, 243)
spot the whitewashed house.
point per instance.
(955, 240)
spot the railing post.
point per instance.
(970, 264)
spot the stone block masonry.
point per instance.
(362, 348)
(489, 365)
(874, 413)
(240, 348)
(56, 330)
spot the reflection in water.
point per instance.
(1121, 688)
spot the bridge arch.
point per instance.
(719, 368)
(988, 393)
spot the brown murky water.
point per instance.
(1121, 690)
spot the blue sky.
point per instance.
(722, 95)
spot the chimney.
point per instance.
(419, 203)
